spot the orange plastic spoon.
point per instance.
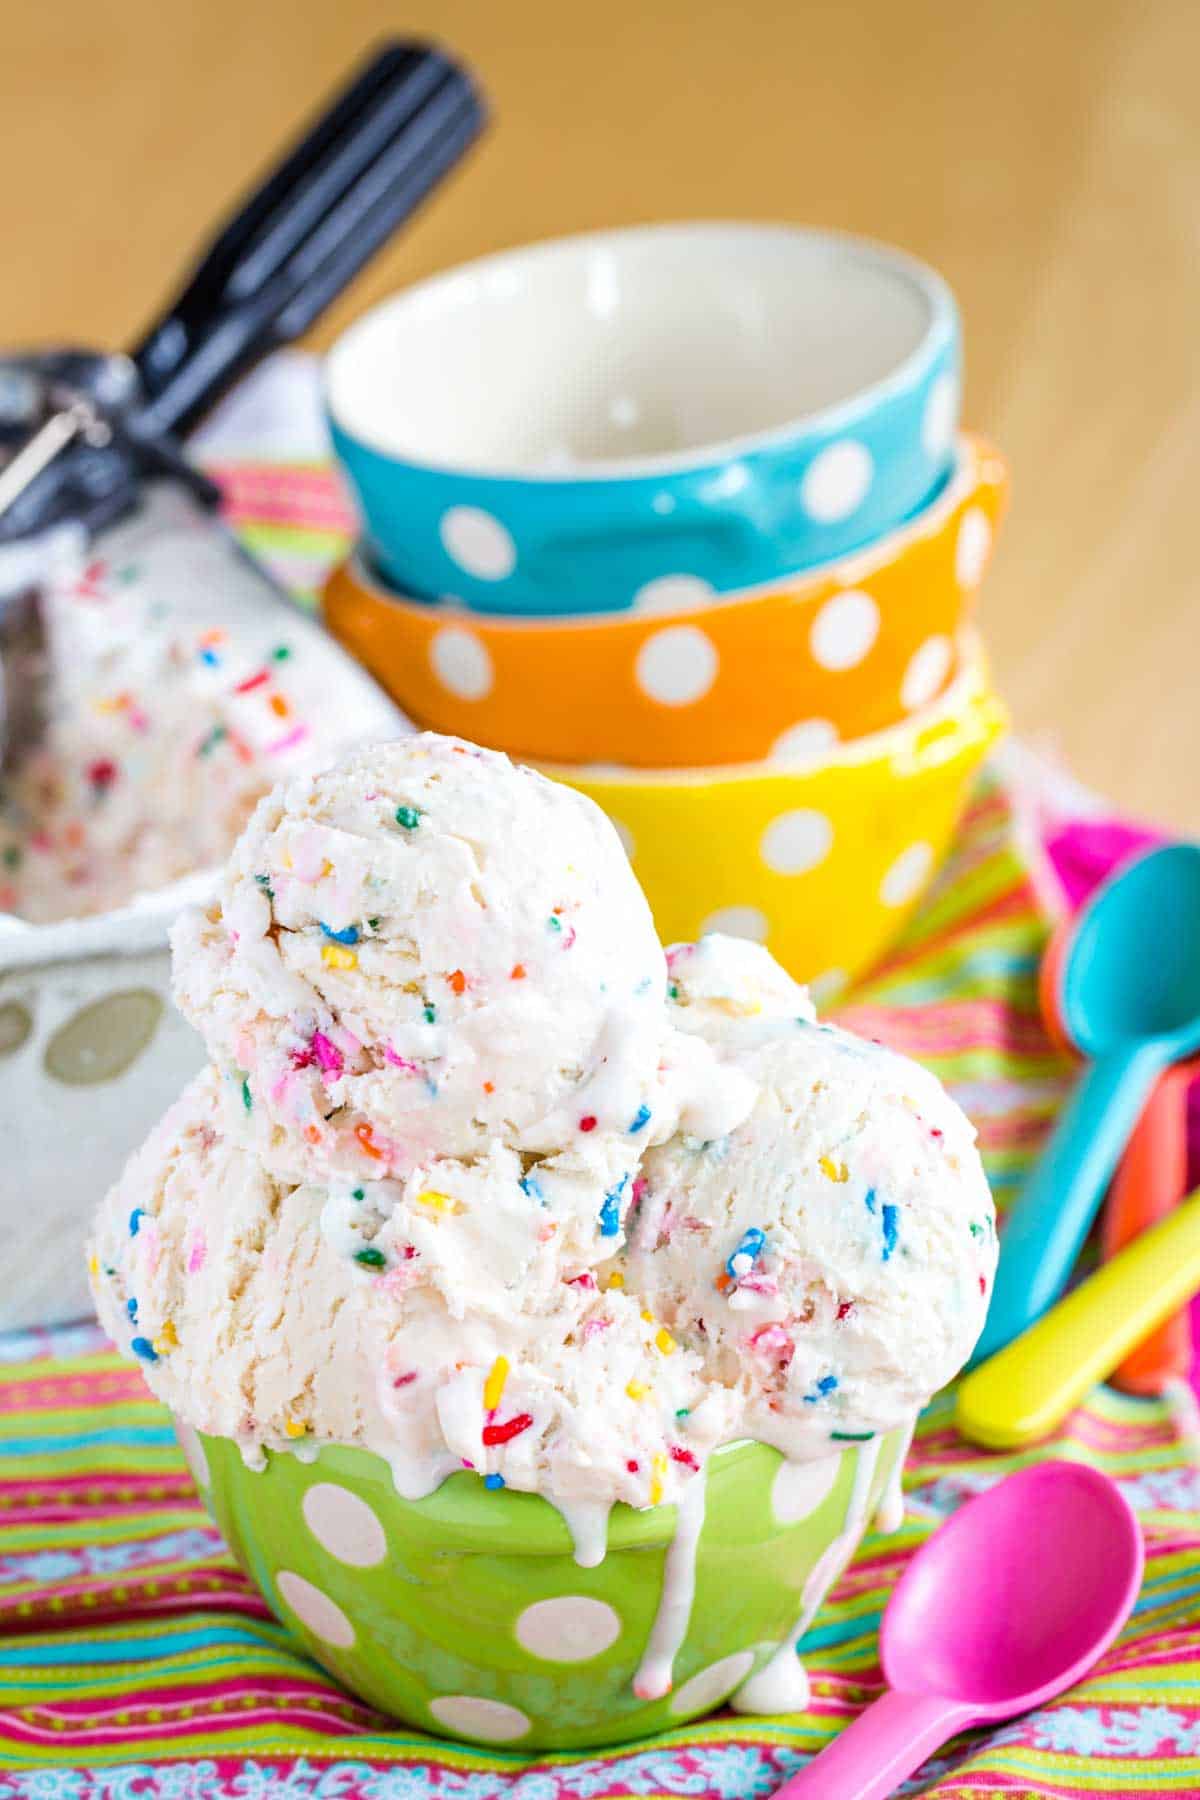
(1150, 1182)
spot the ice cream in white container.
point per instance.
(182, 686)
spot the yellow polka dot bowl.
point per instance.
(822, 859)
(689, 679)
(466, 1614)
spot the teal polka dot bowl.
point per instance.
(466, 1615)
(631, 420)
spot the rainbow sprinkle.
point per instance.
(747, 1253)
(141, 1346)
(493, 1387)
(348, 936)
(370, 1258)
(641, 1118)
(408, 816)
(335, 956)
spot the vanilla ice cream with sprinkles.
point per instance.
(176, 696)
(429, 950)
(480, 1178)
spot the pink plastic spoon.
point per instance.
(1008, 1604)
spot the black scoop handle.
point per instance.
(336, 197)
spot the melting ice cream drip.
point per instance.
(889, 1514)
(587, 1522)
(781, 1685)
(654, 1675)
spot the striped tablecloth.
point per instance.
(135, 1659)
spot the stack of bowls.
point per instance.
(684, 515)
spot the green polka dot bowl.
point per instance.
(466, 1615)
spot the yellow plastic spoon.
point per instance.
(1029, 1387)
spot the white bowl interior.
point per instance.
(626, 346)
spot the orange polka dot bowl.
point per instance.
(689, 681)
(823, 858)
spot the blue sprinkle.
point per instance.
(349, 936)
(493, 1481)
(870, 1199)
(610, 1212)
(131, 1309)
(531, 1187)
(640, 1118)
(825, 1386)
(891, 1229)
(750, 1248)
(135, 1220)
(210, 657)
(144, 1348)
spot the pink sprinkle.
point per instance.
(466, 1464)
(197, 1253)
(845, 1308)
(593, 1328)
(251, 682)
(632, 1467)
(289, 742)
(934, 1132)
(773, 1340)
(327, 1054)
(760, 1284)
(570, 937)
(587, 1280)
(399, 1062)
(410, 1250)
(680, 1455)
(639, 1190)
(302, 1059)
(403, 1380)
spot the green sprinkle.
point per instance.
(247, 1102)
(851, 1437)
(212, 740)
(673, 990)
(372, 924)
(554, 923)
(976, 1229)
(408, 816)
(280, 653)
(682, 1412)
(357, 1194)
(12, 857)
(370, 1258)
(430, 1013)
(264, 882)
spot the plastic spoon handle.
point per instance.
(1025, 1391)
(874, 1754)
(1148, 1185)
(1045, 1229)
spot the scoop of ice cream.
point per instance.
(831, 1258)
(731, 991)
(428, 951)
(434, 1328)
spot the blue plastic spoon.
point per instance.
(1130, 1000)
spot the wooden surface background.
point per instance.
(1045, 154)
